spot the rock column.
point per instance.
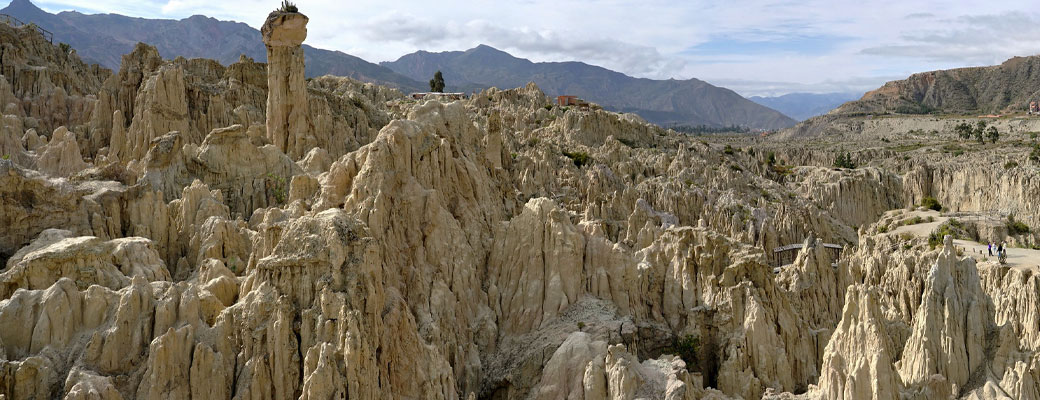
(283, 34)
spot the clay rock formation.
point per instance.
(952, 347)
(342, 241)
(287, 129)
(849, 372)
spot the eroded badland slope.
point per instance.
(180, 229)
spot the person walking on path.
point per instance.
(990, 249)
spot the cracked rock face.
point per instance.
(196, 231)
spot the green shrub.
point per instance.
(533, 142)
(913, 221)
(288, 7)
(736, 167)
(770, 158)
(951, 227)
(277, 184)
(931, 203)
(548, 107)
(686, 348)
(6, 157)
(580, 158)
(1010, 165)
(882, 229)
(1015, 227)
(728, 150)
(581, 325)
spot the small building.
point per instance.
(565, 101)
(438, 96)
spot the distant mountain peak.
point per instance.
(23, 6)
(485, 48)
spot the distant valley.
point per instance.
(802, 106)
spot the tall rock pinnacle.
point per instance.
(283, 34)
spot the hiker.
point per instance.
(990, 249)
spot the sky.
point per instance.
(755, 47)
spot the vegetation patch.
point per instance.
(288, 7)
(952, 227)
(844, 161)
(580, 158)
(277, 185)
(705, 129)
(931, 203)
(686, 348)
(1016, 227)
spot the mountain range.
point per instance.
(665, 102)
(104, 38)
(802, 106)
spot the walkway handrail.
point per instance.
(801, 245)
(15, 22)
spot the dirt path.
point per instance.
(1017, 257)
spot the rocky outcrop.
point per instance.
(287, 124)
(850, 372)
(46, 84)
(950, 328)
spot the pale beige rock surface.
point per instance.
(201, 231)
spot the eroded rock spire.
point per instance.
(283, 34)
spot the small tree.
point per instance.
(437, 83)
(979, 132)
(992, 134)
(844, 161)
(963, 130)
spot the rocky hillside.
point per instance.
(999, 89)
(104, 38)
(200, 231)
(665, 102)
(996, 89)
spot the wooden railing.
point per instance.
(15, 22)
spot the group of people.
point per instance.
(1000, 249)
